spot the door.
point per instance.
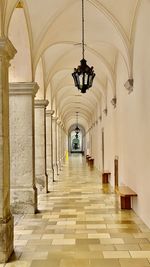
(116, 171)
(102, 150)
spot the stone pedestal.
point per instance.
(7, 52)
(22, 171)
(49, 145)
(40, 145)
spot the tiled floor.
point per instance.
(80, 224)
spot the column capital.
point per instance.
(41, 103)
(6, 48)
(49, 112)
(23, 88)
(58, 121)
(55, 118)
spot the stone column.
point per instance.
(22, 144)
(59, 144)
(40, 145)
(7, 52)
(63, 144)
(49, 144)
(54, 137)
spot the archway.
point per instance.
(76, 142)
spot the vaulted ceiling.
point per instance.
(54, 28)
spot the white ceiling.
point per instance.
(55, 35)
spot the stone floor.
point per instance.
(80, 224)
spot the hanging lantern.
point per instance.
(83, 75)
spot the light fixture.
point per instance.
(129, 85)
(83, 75)
(105, 111)
(77, 129)
(114, 101)
(76, 135)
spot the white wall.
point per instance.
(20, 69)
(127, 128)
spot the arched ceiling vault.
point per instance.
(55, 39)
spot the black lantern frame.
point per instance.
(77, 129)
(83, 75)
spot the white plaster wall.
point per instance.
(20, 70)
(127, 129)
(39, 78)
(137, 164)
(109, 125)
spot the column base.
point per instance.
(6, 239)
(60, 165)
(55, 167)
(23, 200)
(50, 175)
(42, 183)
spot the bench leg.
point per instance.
(125, 202)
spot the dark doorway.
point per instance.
(103, 150)
(116, 171)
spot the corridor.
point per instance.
(80, 224)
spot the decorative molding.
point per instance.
(49, 112)
(129, 85)
(23, 88)
(54, 118)
(114, 101)
(58, 121)
(19, 5)
(41, 103)
(7, 48)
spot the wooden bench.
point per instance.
(105, 177)
(125, 193)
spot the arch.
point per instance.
(133, 31)
(39, 78)
(70, 130)
(21, 65)
(110, 19)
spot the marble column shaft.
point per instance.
(22, 153)
(49, 144)
(40, 145)
(7, 52)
